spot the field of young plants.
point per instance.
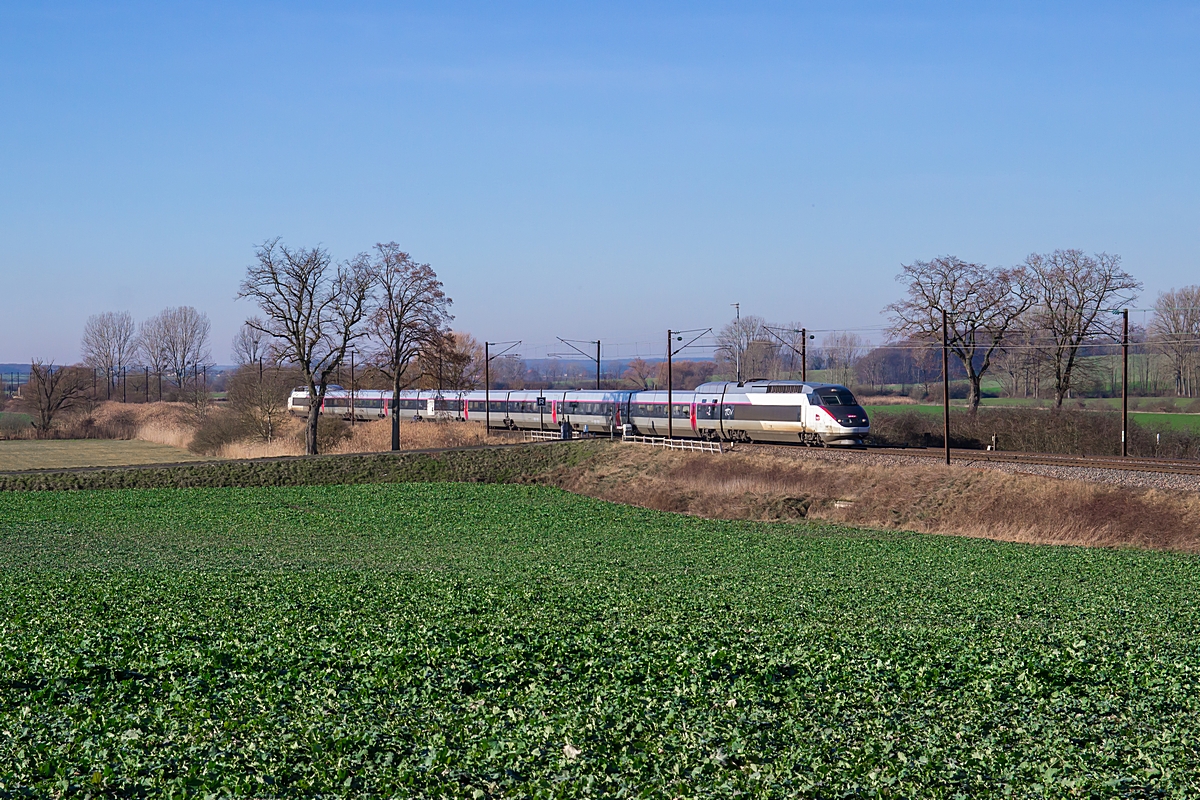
(471, 640)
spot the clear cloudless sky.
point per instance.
(584, 170)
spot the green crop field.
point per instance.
(479, 640)
(903, 408)
(1189, 422)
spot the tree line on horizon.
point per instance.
(1033, 326)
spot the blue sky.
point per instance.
(608, 170)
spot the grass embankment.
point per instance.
(478, 641)
(788, 484)
(756, 484)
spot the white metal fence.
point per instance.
(653, 441)
(698, 445)
(541, 436)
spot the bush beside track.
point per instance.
(1030, 430)
(501, 464)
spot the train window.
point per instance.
(683, 412)
(837, 397)
(475, 405)
(300, 402)
(498, 406)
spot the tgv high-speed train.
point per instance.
(752, 411)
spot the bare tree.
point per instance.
(1075, 293)
(640, 374)
(313, 311)
(841, 351)
(453, 361)
(250, 344)
(981, 306)
(50, 391)
(258, 394)
(109, 343)
(258, 389)
(1176, 333)
(736, 338)
(152, 346)
(791, 336)
(182, 334)
(411, 316)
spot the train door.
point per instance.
(721, 415)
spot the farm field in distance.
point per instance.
(1149, 419)
(474, 640)
(20, 454)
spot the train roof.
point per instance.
(762, 385)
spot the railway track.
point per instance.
(1133, 464)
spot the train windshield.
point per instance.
(837, 397)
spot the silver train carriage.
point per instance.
(753, 411)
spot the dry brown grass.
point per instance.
(376, 437)
(930, 499)
(886, 400)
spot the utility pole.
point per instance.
(804, 354)
(571, 344)
(945, 387)
(673, 336)
(737, 342)
(352, 415)
(670, 416)
(487, 390)
(1125, 383)
(487, 380)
